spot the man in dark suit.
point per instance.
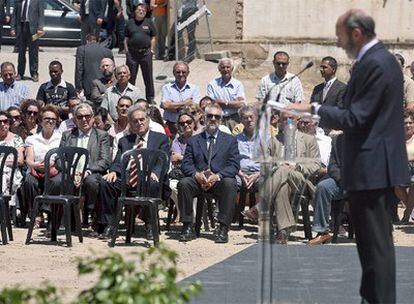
(92, 13)
(97, 142)
(28, 19)
(331, 92)
(110, 185)
(210, 164)
(4, 15)
(88, 62)
(374, 152)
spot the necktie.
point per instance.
(210, 150)
(133, 176)
(24, 11)
(325, 90)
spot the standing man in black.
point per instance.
(374, 152)
(28, 19)
(139, 46)
(4, 15)
(92, 14)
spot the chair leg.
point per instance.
(3, 223)
(129, 222)
(67, 220)
(54, 224)
(154, 223)
(78, 225)
(171, 206)
(205, 219)
(199, 214)
(240, 207)
(337, 207)
(350, 227)
(210, 212)
(116, 223)
(8, 220)
(304, 205)
(34, 210)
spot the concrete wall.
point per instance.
(315, 19)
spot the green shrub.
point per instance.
(151, 281)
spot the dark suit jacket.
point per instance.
(88, 60)
(334, 97)
(96, 8)
(155, 141)
(35, 14)
(4, 9)
(98, 146)
(224, 160)
(374, 152)
(335, 159)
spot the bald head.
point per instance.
(107, 67)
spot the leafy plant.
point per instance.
(151, 281)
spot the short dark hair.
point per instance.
(143, 102)
(281, 53)
(55, 62)
(400, 58)
(101, 112)
(7, 114)
(125, 98)
(331, 61)
(358, 19)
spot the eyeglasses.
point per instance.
(17, 117)
(4, 121)
(49, 119)
(193, 112)
(31, 113)
(87, 117)
(7, 74)
(281, 63)
(187, 122)
(215, 116)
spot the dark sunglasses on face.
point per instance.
(34, 113)
(193, 113)
(17, 117)
(282, 63)
(50, 119)
(216, 116)
(80, 117)
(187, 122)
(4, 121)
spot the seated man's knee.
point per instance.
(229, 183)
(185, 183)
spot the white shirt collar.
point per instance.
(208, 134)
(330, 82)
(62, 84)
(365, 48)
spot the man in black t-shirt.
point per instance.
(139, 47)
(56, 91)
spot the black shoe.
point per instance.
(187, 234)
(107, 233)
(222, 234)
(148, 232)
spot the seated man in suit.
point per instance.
(97, 142)
(290, 176)
(332, 91)
(110, 185)
(210, 164)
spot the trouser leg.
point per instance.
(107, 200)
(31, 188)
(90, 189)
(23, 44)
(225, 191)
(370, 211)
(326, 191)
(133, 68)
(188, 188)
(146, 69)
(34, 57)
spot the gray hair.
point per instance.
(134, 109)
(213, 106)
(123, 66)
(81, 106)
(356, 18)
(247, 108)
(181, 63)
(109, 59)
(222, 60)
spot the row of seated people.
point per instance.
(201, 173)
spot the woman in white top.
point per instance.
(407, 197)
(36, 148)
(10, 139)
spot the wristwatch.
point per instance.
(218, 177)
(314, 107)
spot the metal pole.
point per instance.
(178, 4)
(209, 30)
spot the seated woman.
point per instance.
(9, 139)
(406, 193)
(16, 124)
(36, 148)
(30, 109)
(195, 110)
(185, 123)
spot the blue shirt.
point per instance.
(13, 95)
(246, 149)
(218, 89)
(171, 92)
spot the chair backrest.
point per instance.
(66, 161)
(5, 153)
(147, 161)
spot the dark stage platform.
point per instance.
(302, 274)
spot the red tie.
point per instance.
(133, 176)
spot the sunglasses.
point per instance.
(216, 116)
(50, 119)
(17, 117)
(193, 112)
(187, 122)
(31, 113)
(282, 63)
(80, 117)
(4, 121)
